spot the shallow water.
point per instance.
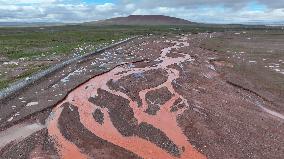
(165, 120)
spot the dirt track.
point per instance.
(160, 97)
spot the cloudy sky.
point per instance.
(209, 11)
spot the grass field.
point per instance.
(31, 42)
(26, 50)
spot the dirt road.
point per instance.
(154, 97)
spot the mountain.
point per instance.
(142, 20)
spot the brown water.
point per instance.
(165, 120)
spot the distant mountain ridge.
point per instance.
(28, 24)
(142, 20)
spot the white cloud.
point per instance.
(130, 6)
(105, 7)
(17, 2)
(213, 11)
(217, 15)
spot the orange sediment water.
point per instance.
(165, 120)
(67, 149)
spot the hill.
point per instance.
(142, 20)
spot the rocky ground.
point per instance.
(255, 62)
(154, 97)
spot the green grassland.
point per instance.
(49, 41)
(31, 42)
(20, 42)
